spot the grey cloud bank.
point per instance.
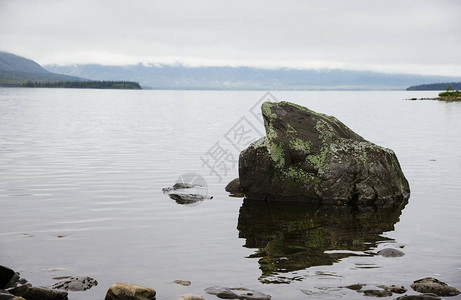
(407, 36)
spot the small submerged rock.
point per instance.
(236, 293)
(234, 188)
(396, 289)
(355, 287)
(182, 282)
(390, 252)
(190, 189)
(126, 291)
(75, 284)
(191, 297)
(376, 291)
(432, 285)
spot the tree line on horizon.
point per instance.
(126, 85)
(435, 86)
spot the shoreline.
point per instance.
(446, 99)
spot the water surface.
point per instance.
(82, 172)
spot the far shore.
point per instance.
(447, 99)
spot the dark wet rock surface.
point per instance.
(6, 274)
(290, 237)
(432, 285)
(37, 293)
(390, 252)
(311, 157)
(236, 293)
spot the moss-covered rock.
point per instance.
(313, 157)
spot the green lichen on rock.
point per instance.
(259, 143)
(291, 129)
(266, 110)
(277, 154)
(318, 160)
(300, 145)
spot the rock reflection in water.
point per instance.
(290, 237)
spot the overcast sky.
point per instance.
(407, 36)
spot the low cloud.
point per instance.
(405, 36)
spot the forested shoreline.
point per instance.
(435, 86)
(125, 85)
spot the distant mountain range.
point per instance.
(247, 78)
(16, 70)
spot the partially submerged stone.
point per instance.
(182, 282)
(234, 188)
(75, 284)
(390, 252)
(236, 293)
(376, 291)
(308, 156)
(126, 291)
(187, 193)
(419, 297)
(432, 285)
(191, 297)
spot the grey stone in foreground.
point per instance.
(390, 252)
(236, 293)
(432, 285)
(35, 293)
(420, 297)
(311, 157)
(191, 297)
(126, 291)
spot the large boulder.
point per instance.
(308, 156)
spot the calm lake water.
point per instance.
(82, 172)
